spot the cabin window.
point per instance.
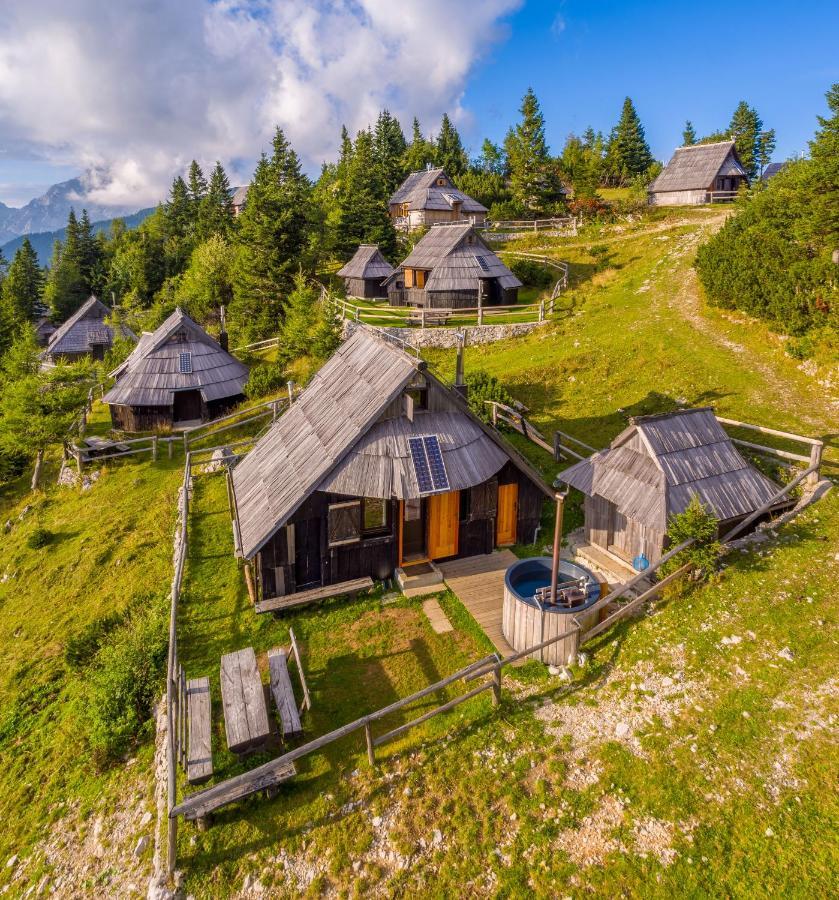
(185, 363)
(441, 182)
(470, 239)
(344, 523)
(375, 515)
(419, 396)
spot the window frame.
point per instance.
(378, 530)
(344, 542)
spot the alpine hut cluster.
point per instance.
(377, 464)
(452, 267)
(429, 197)
(176, 374)
(701, 173)
(85, 333)
(365, 274)
(651, 471)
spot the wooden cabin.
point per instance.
(238, 198)
(175, 376)
(701, 173)
(85, 333)
(429, 197)
(452, 268)
(772, 170)
(365, 274)
(44, 330)
(651, 471)
(377, 465)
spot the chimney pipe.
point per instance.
(459, 381)
(222, 337)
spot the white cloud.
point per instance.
(142, 88)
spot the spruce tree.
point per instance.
(197, 185)
(23, 284)
(389, 147)
(448, 150)
(745, 129)
(66, 286)
(274, 230)
(491, 160)
(824, 176)
(689, 134)
(215, 212)
(765, 148)
(178, 209)
(89, 254)
(420, 152)
(628, 154)
(534, 179)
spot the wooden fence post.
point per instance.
(480, 310)
(496, 686)
(495, 415)
(78, 454)
(171, 442)
(186, 442)
(154, 448)
(815, 460)
(541, 310)
(557, 447)
(368, 734)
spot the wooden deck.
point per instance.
(479, 583)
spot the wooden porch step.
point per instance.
(284, 693)
(289, 601)
(199, 760)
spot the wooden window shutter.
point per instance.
(344, 523)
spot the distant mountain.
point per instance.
(43, 241)
(49, 212)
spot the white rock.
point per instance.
(582, 659)
(554, 670)
(622, 729)
(142, 843)
(769, 832)
(786, 654)
(667, 682)
(436, 837)
(513, 817)
(11, 861)
(377, 821)
(734, 639)
(146, 819)
(565, 675)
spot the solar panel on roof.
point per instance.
(428, 464)
(185, 363)
(482, 262)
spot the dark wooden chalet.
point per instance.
(175, 375)
(452, 268)
(701, 173)
(652, 470)
(85, 333)
(365, 274)
(44, 330)
(429, 197)
(378, 464)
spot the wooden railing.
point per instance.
(256, 346)
(272, 408)
(721, 196)
(529, 224)
(515, 418)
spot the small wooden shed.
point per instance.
(700, 173)
(85, 333)
(174, 376)
(452, 268)
(365, 274)
(378, 464)
(652, 470)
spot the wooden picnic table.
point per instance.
(95, 444)
(243, 700)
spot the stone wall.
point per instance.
(447, 337)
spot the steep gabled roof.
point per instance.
(83, 329)
(772, 169)
(457, 257)
(333, 439)
(694, 168)
(421, 191)
(152, 372)
(657, 464)
(367, 262)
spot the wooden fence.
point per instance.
(515, 418)
(569, 222)
(272, 408)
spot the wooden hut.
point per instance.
(365, 274)
(772, 170)
(428, 197)
(85, 333)
(378, 464)
(452, 268)
(701, 173)
(174, 376)
(44, 330)
(651, 471)
(238, 198)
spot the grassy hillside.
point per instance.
(690, 755)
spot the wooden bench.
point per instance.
(284, 693)
(277, 604)
(430, 318)
(199, 761)
(243, 699)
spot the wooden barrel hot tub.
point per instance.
(525, 622)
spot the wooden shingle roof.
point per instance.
(367, 262)
(85, 328)
(656, 465)
(457, 258)
(695, 167)
(420, 190)
(152, 372)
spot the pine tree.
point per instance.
(23, 285)
(824, 177)
(534, 179)
(420, 152)
(362, 212)
(745, 129)
(389, 147)
(689, 134)
(765, 148)
(215, 213)
(197, 185)
(628, 153)
(89, 254)
(274, 230)
(491, 160)
(178, 209)
(66, 287)
(448, 151)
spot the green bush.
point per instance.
(483, 386)
(530, 272)
(265, 378)
(40, 537)
(123, 681)
(695, 522)
(82, 647)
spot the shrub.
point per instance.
(265, 378)
(695, 522)
(600, 254)
(483, 386)
(123, 681)
(40, 537)
(82, 647)
(528, 271)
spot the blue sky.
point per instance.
(171, 81)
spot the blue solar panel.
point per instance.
(439, 477)
(428, 464)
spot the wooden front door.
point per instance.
(186, 406)
(443, 521)
(307, 572)
(412, 531)
(508, 509)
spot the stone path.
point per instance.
(438, 619)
